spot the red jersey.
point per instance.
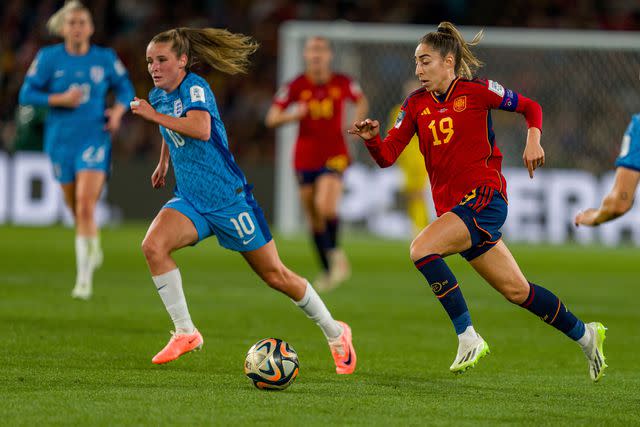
(456, 136)
(320, 140)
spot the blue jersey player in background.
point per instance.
(620, 198)
(73, 78)
(211, 196)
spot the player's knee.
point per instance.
(420, 249)
(85, 209)
(151, 248)
(516, 293)
(324, 211)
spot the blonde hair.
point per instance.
(448, 40)
(55, 22)
(223, 50)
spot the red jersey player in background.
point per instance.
(451, 114)
(321, 155)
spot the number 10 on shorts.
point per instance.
(243, 224)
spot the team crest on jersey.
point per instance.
(177, 108)
(460, 104)
(399, 119)
(305, 95)
(335, 92)
(96, 73)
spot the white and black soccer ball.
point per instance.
(271, 364)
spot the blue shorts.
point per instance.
(240, 227)
(306, 177)
(91, 156)
(483, 211)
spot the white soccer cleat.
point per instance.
(593, 350)
(469, 353)
(82, 291)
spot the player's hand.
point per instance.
(71, 98)
(585, 217)
(365, 129)
(300, 111)
(158, 177)
(114, 118)
(533, 156)
(142, 108)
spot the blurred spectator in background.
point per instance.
(124, 25)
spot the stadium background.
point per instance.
(585, 139)
(67, 362)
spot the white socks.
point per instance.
(84, 270)
(468, 334)
(88, 257)
(315, 310)
(169, 286)
(586, 338)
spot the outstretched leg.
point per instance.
(447, 235)
(499, 268)
(266, 262)
(169, 231)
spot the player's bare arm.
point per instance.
(196, 124)
(159, 174)
(276, 116)
(70, 98)
(114, 117)
(365, 129)
(362, 107)
(533, 156)
(616, 203)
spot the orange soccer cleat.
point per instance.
(178, 345)
(344, 355)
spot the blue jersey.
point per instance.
(54, 70)
(206, 173)
(630, 150)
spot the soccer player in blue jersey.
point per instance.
(620, 198)
(74, 78)
(211, 196)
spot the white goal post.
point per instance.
(586, 81)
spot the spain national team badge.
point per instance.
(460, 104)
(305, 95)
(97, 74)
(335, 92)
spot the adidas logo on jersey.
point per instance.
(425, 111)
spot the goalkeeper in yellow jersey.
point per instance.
(411, 163)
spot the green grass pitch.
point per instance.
(68, 362)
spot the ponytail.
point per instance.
(223, 50)
(448, 40)
(55, 22)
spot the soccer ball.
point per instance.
(271, 364)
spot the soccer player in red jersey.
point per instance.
(451, 114)
(321, 155)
